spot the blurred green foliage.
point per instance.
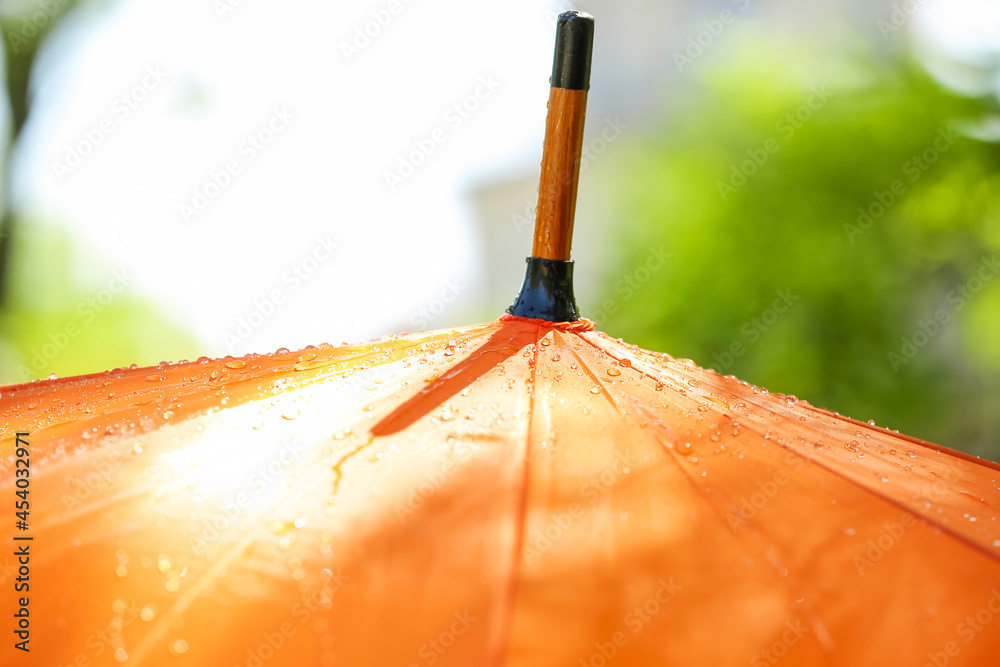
(61, 311)
(837, 180)
(68, 313)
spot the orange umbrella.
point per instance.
(524, 492)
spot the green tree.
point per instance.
(57, 313)
(833, 231)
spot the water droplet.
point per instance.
(686, 449)
(155, 378)
(163, 562)
(614, 372)
(448, 412)
(236, 363)
(595, 390)
(180, 646)
(852, 445)
(280, 527)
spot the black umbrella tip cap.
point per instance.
(574, 48)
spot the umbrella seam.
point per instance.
(766, 539)
(513, 585)
(941, 449)
(716, 512)
(885, 498)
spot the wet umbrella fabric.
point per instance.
(521, 492)
(526, 492)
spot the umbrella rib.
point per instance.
(498, 649)
(941, 449)
(818, 462)
(198, 587)
(811, 615)
(597, 380)
(824, 638)
(945, 528)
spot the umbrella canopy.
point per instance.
(521, 488)
(524, 492)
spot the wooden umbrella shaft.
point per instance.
(547, 291)
(560, 175)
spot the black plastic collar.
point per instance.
(547, 292)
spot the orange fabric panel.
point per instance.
(515, 493)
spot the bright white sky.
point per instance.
(322, 176)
